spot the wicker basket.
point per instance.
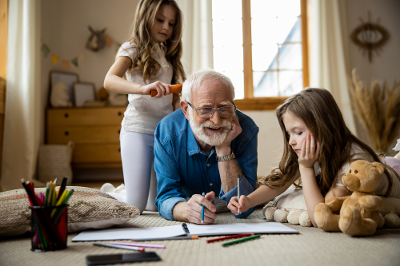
(54, 161)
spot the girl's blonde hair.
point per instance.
(145, 45)
(322, 116)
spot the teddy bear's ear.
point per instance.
(379, 167)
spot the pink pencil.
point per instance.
(138, 245)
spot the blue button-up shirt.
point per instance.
(183, 169)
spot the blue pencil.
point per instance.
(238, 190)
(202, 210)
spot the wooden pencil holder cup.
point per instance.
(49, 227)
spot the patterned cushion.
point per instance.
(88, 209)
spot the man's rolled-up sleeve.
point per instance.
(169, 189)
(247, 159)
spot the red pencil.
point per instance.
(227, 237)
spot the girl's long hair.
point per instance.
(145, 45)
(322, 116)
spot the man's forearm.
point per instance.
(179, 211)
(228, 171)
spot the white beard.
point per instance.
(216, 138)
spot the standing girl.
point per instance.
(318, 148)
(149, 60)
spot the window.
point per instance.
(261, 45)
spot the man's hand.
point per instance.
(193, 209)
(236, 129)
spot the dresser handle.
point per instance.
(66, 133)
(119, 131)
(119, 113)
(66, 115)
(119, 150)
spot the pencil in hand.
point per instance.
(202, 210)
(238, 190)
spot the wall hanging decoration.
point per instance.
(370, 37)
(80, 57)
(97, 39)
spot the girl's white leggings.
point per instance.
(137, 166)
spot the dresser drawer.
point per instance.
(79, 135)
(96, 153)
(85, 116)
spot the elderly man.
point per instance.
(204, 148)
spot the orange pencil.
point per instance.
(174, 89)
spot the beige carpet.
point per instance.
(310, 247)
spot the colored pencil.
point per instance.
(62, 187)
(59, 211)
(47, 234)
(238, 190)
(202, 210)
(227, 237)
(240, 240)
(116, 246)
(137, 245)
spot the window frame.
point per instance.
(249, 102)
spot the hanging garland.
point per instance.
(76, 60)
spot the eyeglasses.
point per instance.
(208, 112)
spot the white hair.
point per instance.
(195, 80)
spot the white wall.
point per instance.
(64, 30)
(270, 141)
(386, 65)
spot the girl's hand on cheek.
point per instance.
(309, 152)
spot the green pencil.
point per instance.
(59, 211)
(240, 240)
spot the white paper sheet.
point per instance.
(240, 228)
(130, 233)
(177, 230)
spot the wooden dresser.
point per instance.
(94, 130)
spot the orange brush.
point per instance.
(174, 89)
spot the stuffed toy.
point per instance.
(289, 207)
(59, 95)
(359, 212)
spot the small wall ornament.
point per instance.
(370, 37)
(97, 40)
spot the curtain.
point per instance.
(197, 35)
(329, 44)
(23, 117)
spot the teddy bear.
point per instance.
(359, 212)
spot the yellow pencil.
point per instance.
(60, 201)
